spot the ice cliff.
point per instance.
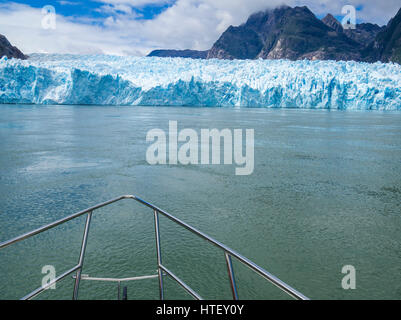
(111, 80)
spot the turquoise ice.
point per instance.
(112, 80)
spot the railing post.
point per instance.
(118, 287)
(81, 256)
(231, 276)
(159, 257)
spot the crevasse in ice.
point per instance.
(100, 79)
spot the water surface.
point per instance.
(325, 193)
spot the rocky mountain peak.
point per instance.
(332, 22)
(296, 33)
(6, 49)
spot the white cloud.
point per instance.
(193, 24)
(115, 9)
(21, 24)
(68, 3)
(135, 3)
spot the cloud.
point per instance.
(21, 24)
(135, 3)
(192, 24)
(68, 3)
(115, 7)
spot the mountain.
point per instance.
(363, 33)
(285, 33)
(194, 54)
(296, 33)
(333, 23)
(237, 43)
(6, 49)
(387, 45)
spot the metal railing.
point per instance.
(162, 270)
(117, 280)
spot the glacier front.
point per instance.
(111, 80)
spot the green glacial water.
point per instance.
(325, 192)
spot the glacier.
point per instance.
(114, 80)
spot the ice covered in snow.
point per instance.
(100, 79)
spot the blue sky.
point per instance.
(135, 27)
(92, 8)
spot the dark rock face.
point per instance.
(237, 43)
(387, 45)
(285, 33)
(194, 54)
(333, 23)
(363, 33)
(6, 49)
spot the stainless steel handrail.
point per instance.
(118, 280)
(86, 277)
(228, 252)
